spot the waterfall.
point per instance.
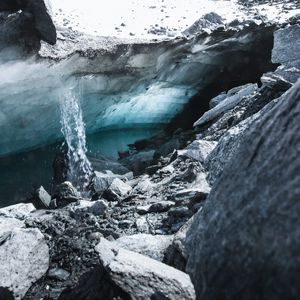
(79, 168)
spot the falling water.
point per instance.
(73, 129)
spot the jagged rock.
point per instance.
(286, 46)
(153, 246)
(230, 142)
(41, 198)
(103, 164)
(23, 24)
(24, 258)
(198, 150)
(102, 181)
(120, 187)
(138, 162)
(209, 21)
(176, 255)
(142, 277)
(230, 102)
(18, 211)
(167, 148)
(96, 208)
(66, 193)
(245, 240)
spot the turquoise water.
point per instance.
(19, 173)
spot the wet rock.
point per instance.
(153, 246)
(66, 193)
(198, 150)
(142, 277)
(24, 258)
(242, 255)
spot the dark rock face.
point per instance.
(245, 242)
(23, 24)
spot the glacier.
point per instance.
(125, 85)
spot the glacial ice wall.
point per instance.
(124, 86)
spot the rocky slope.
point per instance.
(209, 212)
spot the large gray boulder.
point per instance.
(245, 243)
(24, 257)
(286, 46)
(142, 277)
(23, 24)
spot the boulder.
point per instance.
(23, 24)
(142, 277)
(286, 46)
(153, 246)
(24, 258)
(176, 255)
(120, 187)
(230, 102)
(244, 244)
(209, 21)
(103, 180)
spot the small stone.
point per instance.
(58, 274)
(41, 198)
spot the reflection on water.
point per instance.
(21, 172)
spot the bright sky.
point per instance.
(125, 18)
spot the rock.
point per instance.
(103, 164)
(153, 246)
(142, 225)
(217, 100)
(209, 21)
(29, 23)
(138, 162)
(41, 198)
(176, 255)
(230, 102)
(58, 274)
(96, 208)
(102, 181)
(161, 206)
(142, 277)
(167, 148)
(198, 150)
(189, 197)
(18, 211)
(286, 46)
(245, 240)
(24, 258)
(120, 187)
(66, 193)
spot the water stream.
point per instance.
(73, 128)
